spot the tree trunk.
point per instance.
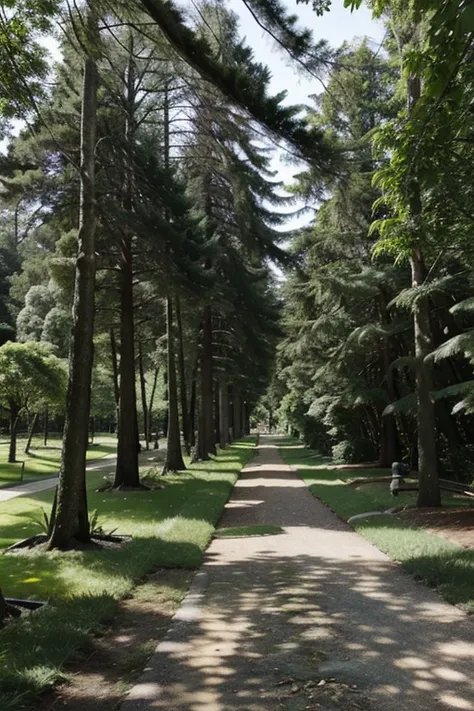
(71, 517)
(205, 444)
(46, 427)
(217, 414)
(143, 394)
(126, 472)
(13, 430)
(243, 416)
(174, 458)
(237, 417)
(150, 406)
(182, 380)
(31, 433)
(429, 491)
(223, 415)
(115, 371)
(192, 409)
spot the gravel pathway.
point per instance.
(314, 618)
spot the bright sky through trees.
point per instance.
(336, 26)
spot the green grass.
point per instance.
(246, 531)
(429, 558)
(44, 461)
(171, 527)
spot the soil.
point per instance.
(113, 660)
(454, 523)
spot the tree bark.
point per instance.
(115, 372)
(182, 380)
(236, 410)
(150, 406)
(217, 413)
(46, 427)
(14, 412)
(174, 458)
(143, 394)
(126, 472)
(223, 415)
(31, 433)
(192, 408)
(71, 516)
(428, 491)
(205, 444)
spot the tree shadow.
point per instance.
(271, 618)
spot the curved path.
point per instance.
(314, 618)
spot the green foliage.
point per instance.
(29, 374)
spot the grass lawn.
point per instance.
(171, 527)
(44, 461)
(429, 558)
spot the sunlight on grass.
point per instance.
(171, 527)
(428, 557)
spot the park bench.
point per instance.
(400, 472)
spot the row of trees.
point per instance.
(377, 359)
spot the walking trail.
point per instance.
(105, 464)
(314, 618)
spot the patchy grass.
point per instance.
(246, 531)
(171, 527)
(44, 461)
(429, 558)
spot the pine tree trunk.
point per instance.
(243, 416)
(174, 458)
(128, 445)
(192, 409)
(237, 418)
(143, 394)
(71, 516)
(150, 406)
(182, 380)
(115, 372)
(13, 433)
(205, 444)
(223, 415)
(31, 433)
(46, 427)
(217, 413)
(126, 472)
(429, 491)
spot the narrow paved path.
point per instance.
(34, 487)
(268, 618)
(105, 464)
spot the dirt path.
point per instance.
(315, 618)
